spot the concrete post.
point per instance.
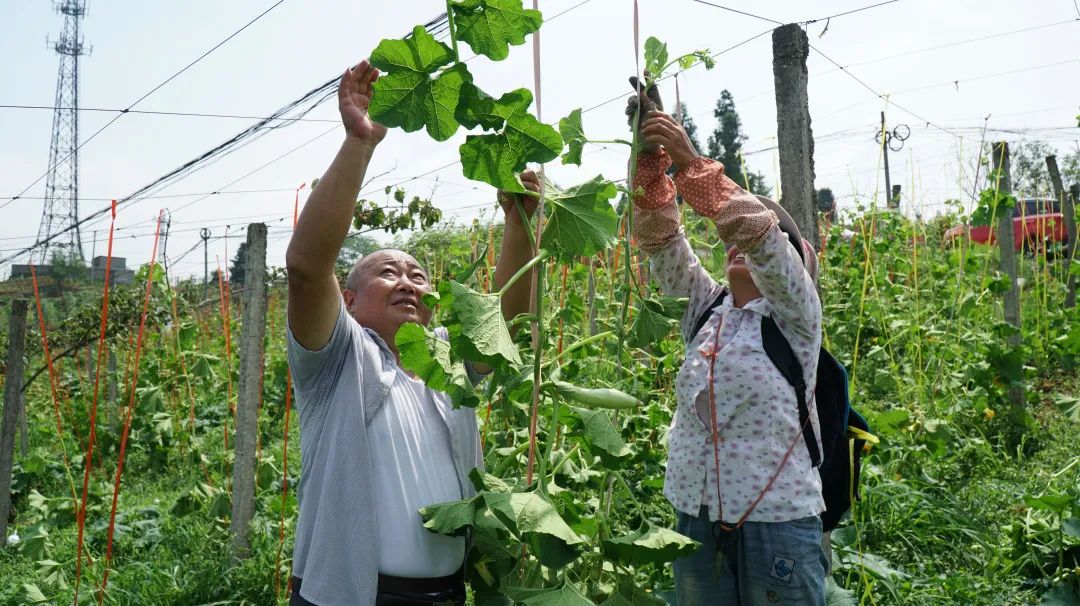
(794, 137)
(1007, 250)
(12, 399)
(253, 332)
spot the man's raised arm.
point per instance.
(314, 296)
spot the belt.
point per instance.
(448, 583)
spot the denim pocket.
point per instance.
(807, 523)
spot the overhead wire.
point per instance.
(148, 112)
(147, 94)
(305, 104)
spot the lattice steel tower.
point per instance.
(61, 210)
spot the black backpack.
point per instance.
(844, 431)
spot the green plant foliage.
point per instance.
(491, 26)
(482, 326)
(648, 545)
(406, 95)
(582, 221)
(565, 595)
(654, 320)
(497, 158)
(416, 345)
(574, 136)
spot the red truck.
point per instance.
(1037, 225)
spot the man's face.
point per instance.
(388, 293)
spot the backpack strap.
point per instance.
(779, 351)
(704, 317)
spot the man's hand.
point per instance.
(508, 200)
(661, 129)
(354, 97)
(650, 101)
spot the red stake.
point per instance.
(224, 303)
(285, 448)
(284, 485)
(52, 380)
(130, 410)
(93, 408)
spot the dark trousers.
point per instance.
(393, 597)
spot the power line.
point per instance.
(165, 113)
(881, 96)
(984, 77)
(137, 101)
(850, 12)
(315, 97)
(164, 196)
(957, 43)
(739, 12)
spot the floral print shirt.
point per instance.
(755, 408)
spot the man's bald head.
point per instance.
(365, 264)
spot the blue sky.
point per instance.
(587, 53)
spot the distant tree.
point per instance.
(1028, 168)
(725, 144)
(66, 268)
(826, 201)
(236, 270)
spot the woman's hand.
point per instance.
(661, 129)
(649, 100)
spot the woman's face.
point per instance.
(735, 267)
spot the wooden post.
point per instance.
(1007, 250)
(253, 331)
(794, 137)
(111, 388)
(12, 399)
(894, 199)
(1074, 197)
(1067, 209)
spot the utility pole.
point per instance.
(885, 139)
(1065, 199)
(1007, 250)
(12, 403)
(60, 213)
(252, 363)
(794, 136)
(204, 233)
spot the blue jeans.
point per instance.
(760, 564)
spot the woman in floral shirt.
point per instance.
(753, 498)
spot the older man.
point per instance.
(376, 443)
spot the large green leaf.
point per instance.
(598, 433)
(490, 26)
(482, 324)
(656, 57)
(477, 108)
(453, 518)
(425, 354)
(406, 95)
(648, 545)
(582, 221)
(836, 595)
(566, 595)
(497, 158)
(654, 320)
(524, 512)
(574, 136)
